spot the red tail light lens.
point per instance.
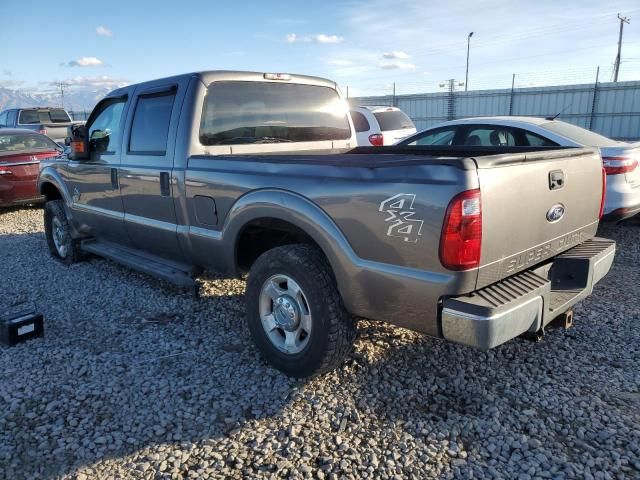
(617, 165)
(461, 238)
(376, 139)
(604, 192)
(42, 131)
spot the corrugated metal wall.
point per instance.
(612, 109)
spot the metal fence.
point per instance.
(612, 109)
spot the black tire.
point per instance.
(54, 209)
(333, 328)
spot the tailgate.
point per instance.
(56, 131)
(535, 206)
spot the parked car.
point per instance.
(50, 121)
(247, 172)
(380, 126)
(20, 154)
(620, 159)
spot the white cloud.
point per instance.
(396, 66)
(317, 38)
(94, 82)
(395, 54)
(86, 62)
(322, 38)
(8, 73)
(103, 31)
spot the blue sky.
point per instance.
(366, 45)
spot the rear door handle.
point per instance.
(164, 184)
(114, 178)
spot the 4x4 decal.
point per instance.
(401, 217)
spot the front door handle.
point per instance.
(164, 184)
(114, 178)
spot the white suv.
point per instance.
(380, 126)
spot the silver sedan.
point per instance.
(620, 159)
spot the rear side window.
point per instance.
(264, 112)
(53, 115)
(4, 118)
(538, 141)
(150, 127)
(393, 120)
(360, 122)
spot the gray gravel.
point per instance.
(135, 379)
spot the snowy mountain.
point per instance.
(75, 99)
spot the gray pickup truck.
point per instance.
(256, 173)
(50, 121)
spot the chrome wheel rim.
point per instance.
(59, 237)
(285, 314)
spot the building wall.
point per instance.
(612, 109)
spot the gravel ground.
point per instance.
(135, 379)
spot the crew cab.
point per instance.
(255, 173)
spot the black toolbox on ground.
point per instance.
(19, 323)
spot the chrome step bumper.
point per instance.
(528, 301)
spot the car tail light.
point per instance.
(617, 165)
(43, 131)
(604, 192)
(461, 238)
(376, 139)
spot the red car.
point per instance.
(20, 155)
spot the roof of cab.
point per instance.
(209, 76)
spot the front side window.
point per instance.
(442, 136)
(150, 127)
(104, 130)
(490, 137)
(270, 112)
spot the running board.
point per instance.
(141, 262)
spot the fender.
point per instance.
(49, 174)
(299, 211)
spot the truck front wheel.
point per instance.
(294, 311)
(62, 245)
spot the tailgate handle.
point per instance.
(556, 179)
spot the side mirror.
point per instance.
(79, 143)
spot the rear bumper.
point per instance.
(528, 301)
(622, 200)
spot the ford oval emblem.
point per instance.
(555, 213)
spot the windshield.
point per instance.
(24, 142)
(53, 115)
(393, 120)
(268, 112)
(578, 134)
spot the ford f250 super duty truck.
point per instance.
(255, 173)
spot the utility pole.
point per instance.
(616, 67)
(61, 86)
(466, 75)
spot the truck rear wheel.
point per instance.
(62, 245)
(295, 314)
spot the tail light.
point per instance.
(604, 192)
(617, 165)
(461, 238)
(376, 139)
(43, 131)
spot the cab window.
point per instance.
(104, 130)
